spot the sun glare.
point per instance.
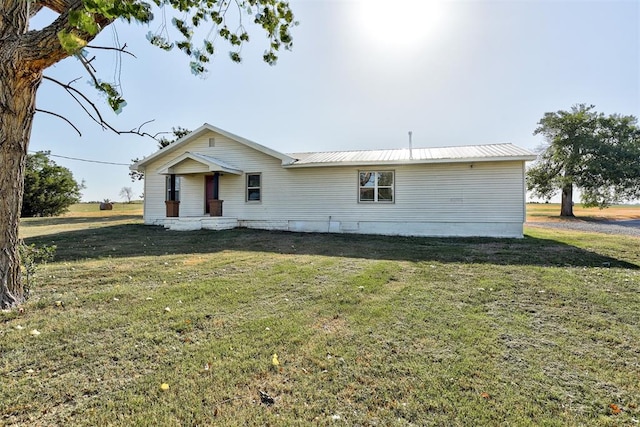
(399, 24)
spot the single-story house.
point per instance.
(213, 179)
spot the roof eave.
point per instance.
(212, 164)
(405, 162)
(206, 127)
(168, 171)
(266, 150)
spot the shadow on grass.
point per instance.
(49, 221)
(133, 240)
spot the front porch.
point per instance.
(191, 223)
(192, 188)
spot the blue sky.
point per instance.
(361, 75)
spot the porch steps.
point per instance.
(200, 223)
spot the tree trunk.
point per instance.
(566, 207)
(24, 55)
(18, 86)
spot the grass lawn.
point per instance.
(551, 212)
(368, 330)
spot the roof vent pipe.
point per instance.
(410, 146)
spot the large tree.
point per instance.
(49, 189)
(25, 54)
(590, 151)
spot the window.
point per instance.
(167, 186)
(254, 187)
(376, 186)
(212, 142)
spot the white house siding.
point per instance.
(436, 199)
(232, 187)
(457, 199)
(189, 166)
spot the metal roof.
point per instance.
(476, 153)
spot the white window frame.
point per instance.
(376, 187)
(248, 189)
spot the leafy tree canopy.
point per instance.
(273, 16)
(49, 189)
(596, 153)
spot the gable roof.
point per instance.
(214, 165)
(471, 153)
(206, 127)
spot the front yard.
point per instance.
(367, 330)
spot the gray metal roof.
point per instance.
(477, 153)
(225, 167)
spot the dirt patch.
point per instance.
(333, 325)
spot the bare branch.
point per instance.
(61, 117)
(146, 123)
(90, 69)
(94, 113)
(72, 91)
(118, 49)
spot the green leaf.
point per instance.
(71, 42)
(197, 68)
(84, 21)
(114, 99)
(159, 41)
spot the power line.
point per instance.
(86, 160)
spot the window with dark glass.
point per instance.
(376, 186)
(254, 187)
(167, 186)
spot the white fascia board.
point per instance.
(213, 164)
(414, 162)
(206, 127)
(259, 147)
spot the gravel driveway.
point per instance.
(627, 227)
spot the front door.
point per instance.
(211, 189)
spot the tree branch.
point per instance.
(58, 6)
(61, 117)
(34, 8)
(72, 91)
(118, 49)
(96, 116)
(41, 49)
(86, 63)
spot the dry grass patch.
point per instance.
(541, 212)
